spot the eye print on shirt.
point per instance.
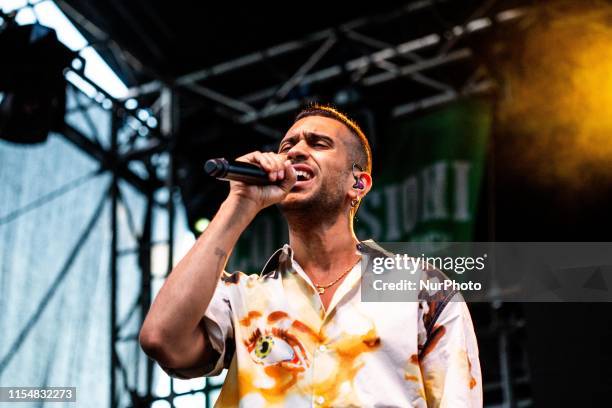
(276, 346)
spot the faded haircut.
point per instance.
(361, 152)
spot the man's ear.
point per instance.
(361, 186)
(366, 179)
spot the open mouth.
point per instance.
(304, 174)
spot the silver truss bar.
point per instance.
(298, 76)
(375, 79)
(453, 56)
(123, 57)
(353, 65)
(405, 49)
(374, 43)
(424, 103)
(278, 109)
(277, 50)
(417, 77)
(318, 76)
(220, 98)
(442, 98)
(166, 125)
(253, 58)
(87, 25)
(266, 130)
(510, 14)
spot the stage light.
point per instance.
(152, 122)
(478, 24)
(559, 95)
(77, 64)
(200, 225)
(31, 75)
(133, 123)
(50, 15)
(143, 114)
(131, 104)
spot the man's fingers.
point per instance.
(290, 176)
(267, 161)
(275, 165)
(279, 165)
(268, 164)
(280, 172)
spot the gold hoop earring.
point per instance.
(354, 202)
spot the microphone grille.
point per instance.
(213, 167)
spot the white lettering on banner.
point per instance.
(410, 204)
(461, 170)
(434, 191)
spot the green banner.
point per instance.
(427, 190)
(429, 186)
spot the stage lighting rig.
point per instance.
(32, 81)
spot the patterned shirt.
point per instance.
(283, 349)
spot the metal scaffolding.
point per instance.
(384, 63)
(388, 60)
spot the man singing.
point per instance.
(297, 334)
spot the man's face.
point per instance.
(319, 149)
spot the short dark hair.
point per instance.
(362, 152)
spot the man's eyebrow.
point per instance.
(308, 135)
(319, 136)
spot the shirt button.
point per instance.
(320, 400)
(322, 348)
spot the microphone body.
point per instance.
(236, 171)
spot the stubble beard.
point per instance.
(321, 208)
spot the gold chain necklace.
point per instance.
(321, 288)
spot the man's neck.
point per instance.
(323, 247)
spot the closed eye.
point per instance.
(319, 141)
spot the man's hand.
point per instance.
(280, 172)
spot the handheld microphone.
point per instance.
(237, 171)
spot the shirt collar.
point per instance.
(279, 261)
(282, 259)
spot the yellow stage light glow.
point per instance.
(558, 94)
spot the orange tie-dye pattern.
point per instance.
(288, 353)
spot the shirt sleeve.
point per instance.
(217, 321)
(449, 356)
(219, 327)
